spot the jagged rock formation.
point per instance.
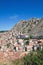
(38, 29)
(33, 26)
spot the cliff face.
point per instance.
(33, 26)
(38, 29)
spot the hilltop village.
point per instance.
(18, 41)
(18, 45)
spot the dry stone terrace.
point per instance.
(14, 46)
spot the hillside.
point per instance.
(38, 29)
(14, 45)
(33, 26)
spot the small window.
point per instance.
(27, 42)
(25, 48)
(33, 48)
(0, 47)
(15, 48)
(39, 41)
(38, 48)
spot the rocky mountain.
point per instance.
(38, 29)
(33, 26)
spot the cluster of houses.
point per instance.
(20, 43)
(23, 43)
